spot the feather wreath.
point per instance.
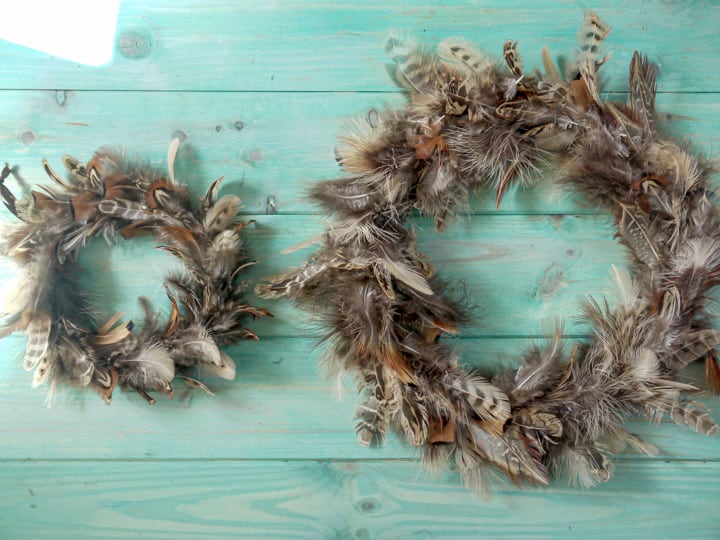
(65, 340)
(471, 122)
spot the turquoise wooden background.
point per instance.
(259, 92)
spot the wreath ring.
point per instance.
(471, 122)
(66, 341)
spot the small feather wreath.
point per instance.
(471, 122)
(65, 342)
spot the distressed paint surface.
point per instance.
(386, 500)
(260, 91)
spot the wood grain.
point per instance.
(279, 407)
(259, 92)
(291, 45)
(520, 273)
(285, 142)
(342, 500)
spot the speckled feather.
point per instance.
(470, 124)
(68, 342)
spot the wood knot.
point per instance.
(368, 505)
(27, 136)
(134, 45)
(551, 281)
(180, 135)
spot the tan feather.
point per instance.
(38, 340)
(409, 276)
(171, 156)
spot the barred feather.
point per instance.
(472, 124)
(112, 194)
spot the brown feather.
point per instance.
(441, 431)
(712, 372)
(137, 228)
(154, 192)
(174, 318)
(84, 206)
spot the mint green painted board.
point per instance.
(279, 407)
(286, 142)
(290, 45)
(273, 454)
(386, 500)
(521, 272)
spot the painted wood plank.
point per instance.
(245, 463)
(300, 45)
(342, 500)
(521, 272)
(279, 407)
(285, 143)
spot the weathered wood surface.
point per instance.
(279, 407)
(259, 92)
(285, 141)
(291, 45)
(387, 500)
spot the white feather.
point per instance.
(172, 154)
(408, 276)
(203, 348)
(645, 364)
(628, 289)
(225, 369)
(697, 253)
(155, 363)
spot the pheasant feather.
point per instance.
(110, 195)
(469, 124)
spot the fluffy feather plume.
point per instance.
(470, 124)
(110, 195)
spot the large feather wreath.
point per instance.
(471, 123)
